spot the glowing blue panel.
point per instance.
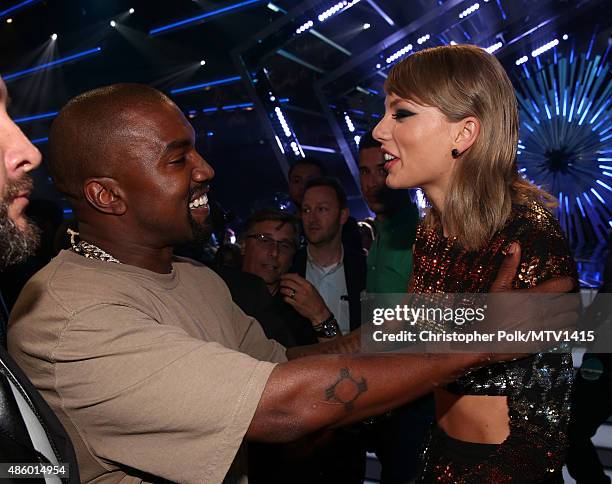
(597, 195)
(381, 12)
(14, 8)
(580, 206)
(501, 9)
(47, 65)
(204, 16)
(237, 106)
(607, 187)
(36, 117)
(204, 85)
(39, 141)
(319, 149)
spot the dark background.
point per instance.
(321, 81)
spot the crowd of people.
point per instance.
(147, 366)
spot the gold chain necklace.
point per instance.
(88, 250)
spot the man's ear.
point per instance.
(105, 195)
(466, 134)
(242, 245)
(344, 215)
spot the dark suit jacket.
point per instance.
(278, 320)
(15, 442)
(354, 274)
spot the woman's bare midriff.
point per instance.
(473, 418)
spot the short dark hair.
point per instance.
(85, 135)
(368, 141)
(272, 215)
(308, 160)
(331, 182)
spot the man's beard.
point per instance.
(16, 244)
(201, 232)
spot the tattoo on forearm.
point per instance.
(346, 390)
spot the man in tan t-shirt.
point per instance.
(151, 367)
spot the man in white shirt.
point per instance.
(335, 270)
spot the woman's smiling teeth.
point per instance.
(199, 202)
(389, 157)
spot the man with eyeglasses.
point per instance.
(268, 244)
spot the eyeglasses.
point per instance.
(268, 243)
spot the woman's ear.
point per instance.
(466, 134)
(105, 195)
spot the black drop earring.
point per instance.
(455, 153)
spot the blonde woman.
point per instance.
(451, 128)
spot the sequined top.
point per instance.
(538, 386)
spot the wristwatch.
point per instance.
(328, 328)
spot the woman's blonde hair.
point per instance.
(462, 81)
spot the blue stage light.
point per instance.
(36, 117)
(237, 106)
(280, 145)
(607, 187)
(596, 193)
(283, 122)
(319, 149)
(545, 47)
(349, 123)
(470, 10)
(204, 16)
(39, 141)
(331, 11)
(297, 149)
(9, 10)
(495, 47)
(381, 12)
(501, 9)
(304, 27)
(423, 39)
(275, 8)
(580, 206)
(47, 65)
(398, 54)
(195, 87)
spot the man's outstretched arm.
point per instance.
(320, 392)
(315, 392)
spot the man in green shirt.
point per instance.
(397, 439)
(390, 257)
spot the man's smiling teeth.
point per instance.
(389, 157)
(199, 202)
